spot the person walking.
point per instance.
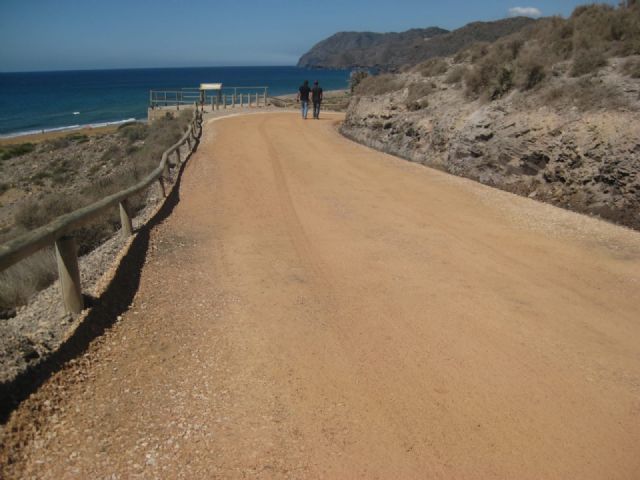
(316, 97)
(303, 97)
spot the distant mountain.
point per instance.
(388, 51)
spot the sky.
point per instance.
(40, 35)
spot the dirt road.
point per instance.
(314, 309)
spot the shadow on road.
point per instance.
(104, 311)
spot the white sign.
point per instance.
(210, 86)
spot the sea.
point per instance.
(36, 102)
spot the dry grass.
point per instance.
(62, 142)
(587, 61)
(379, 84)
(631, 67)
(432, 67)
(455, 74)
(585, 93)
(356, 78)
(493, 75)
(417, 95)
(524, 60)
(20, 282)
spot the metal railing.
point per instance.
(59, 231)
(226, 97)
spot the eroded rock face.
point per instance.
(587, 161)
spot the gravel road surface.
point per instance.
(315, 309)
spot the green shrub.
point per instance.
(122, 126)
(77, 138)
(10, 151)
(4, 187)
(134, 132)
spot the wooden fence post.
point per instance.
(69, 274)
(165, 169)
(125, 219)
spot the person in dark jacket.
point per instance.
(316, 97)
(303, 97)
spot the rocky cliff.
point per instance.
(389, 51)
(574, 143)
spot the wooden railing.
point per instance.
(60, 231)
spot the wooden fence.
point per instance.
(60, 231)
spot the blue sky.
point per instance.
(89, 34)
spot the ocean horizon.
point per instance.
(45, 101)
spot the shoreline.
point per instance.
(47, 134)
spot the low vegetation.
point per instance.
(417, 95)
(524, 60)
(356, 77)
(26, 278)
(432, 67)
(22, 280)
(554, 56)
(585, 93)
(455, 74)
(10, 151)
(379, 84)
(63, 142)
(631, 67)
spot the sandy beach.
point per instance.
(41, 137)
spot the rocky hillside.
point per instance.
(389, 51)
(560, 127)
